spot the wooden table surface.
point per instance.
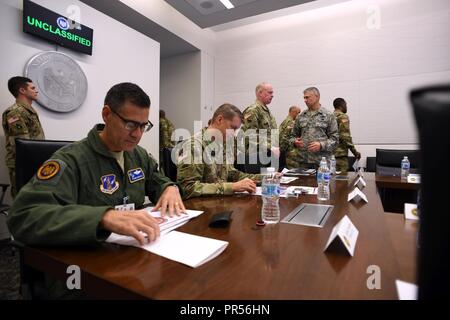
(281, 261)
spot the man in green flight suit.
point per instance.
(345, 138)
(20, 121)
(260, 126)
(205, 165)
(290, 151)
(79, 195)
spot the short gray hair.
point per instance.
(313, 90)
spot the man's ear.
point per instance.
(106, 112)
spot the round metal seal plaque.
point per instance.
(61, 83)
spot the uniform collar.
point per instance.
(23, 105)
(97, 143)
(260, 104)
(338, 111)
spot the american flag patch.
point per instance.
(12, 120)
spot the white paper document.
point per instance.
(406, 290)
(185, 248)
(344, 234)
(286, 180)
(411, 212)
(167, 224)
(357, 195)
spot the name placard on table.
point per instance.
(343, 236)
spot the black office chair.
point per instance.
(30, 155)
(432, 112)
(168, 166)
(5, 236)
(388, 161)
(370, 164)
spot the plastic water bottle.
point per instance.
(270, 191)
(333, 165)
(323, 181)
(405, 168)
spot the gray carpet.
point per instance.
(9, 274)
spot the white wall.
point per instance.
(333, 48)
(114, 60)
(181, 89)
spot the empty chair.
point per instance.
(370, 164)
(388, 161)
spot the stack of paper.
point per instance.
(167, 224)
(185, 248)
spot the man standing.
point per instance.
(257, 117)
(345, 138)
(20, 121)
(96, 186)
(205, 166)
(315, 131)
(165, 131)
(290, 151)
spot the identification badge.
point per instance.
(125, 207)
(135, 175)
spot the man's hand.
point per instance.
(131, 223)
(357, 155)
(314, 146)
(244, 185)
(299, 143)
(275, 152)
(170, 199)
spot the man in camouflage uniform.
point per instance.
(205, 163)
(315, 131)
(165, 137)
(291, 152)
(166, 129)
(345, 138)
(20, 121)
(257, 117)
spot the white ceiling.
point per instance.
(208, 13)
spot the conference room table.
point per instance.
(395, 192)
(272, 262)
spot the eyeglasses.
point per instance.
(131, 125)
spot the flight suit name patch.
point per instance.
(109, 184)
(135, 175)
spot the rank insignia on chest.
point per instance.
(109, 184)
(135, 175)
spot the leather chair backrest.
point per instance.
(31, 154)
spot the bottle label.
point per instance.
(326, 176)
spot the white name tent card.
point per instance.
(413, 178)
(357, 195)
(406, 290)
(360, 183)
(356, 165)
(411, 212)
(343, 236)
